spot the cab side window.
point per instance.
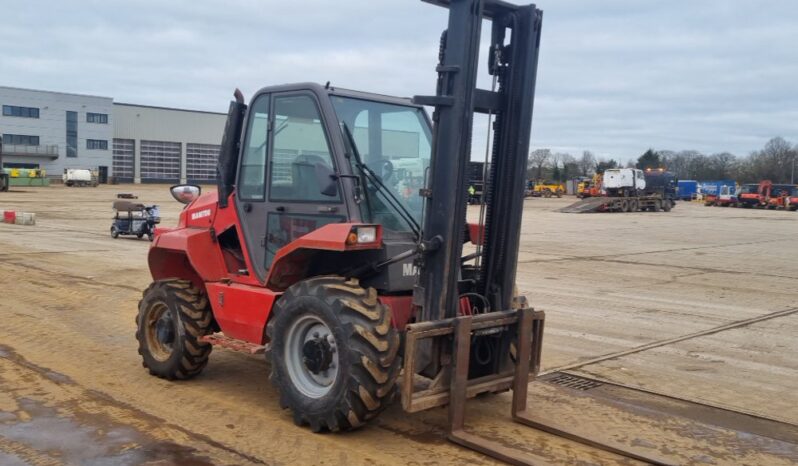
(301, 165)
(252, 176)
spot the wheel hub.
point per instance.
(317, 355)
(165, 330)
(311, 356)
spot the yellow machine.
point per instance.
(589, 188)
(545, 189)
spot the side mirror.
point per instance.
(185, 193)
(328, 182)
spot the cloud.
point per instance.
(615, 77)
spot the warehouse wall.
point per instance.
(157, 144)
(50, 127)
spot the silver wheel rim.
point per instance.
(305, 329)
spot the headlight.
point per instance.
(361, 235)
(366, 234)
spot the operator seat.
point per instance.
(305, 182)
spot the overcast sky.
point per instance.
(615, 76)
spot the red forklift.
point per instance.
(341, 257)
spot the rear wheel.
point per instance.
(667, 205)
(173, 315)
(624, 205)
(633, 206)
(657, 206)
(114, 232)
(334, 353)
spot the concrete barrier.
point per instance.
(18, 218)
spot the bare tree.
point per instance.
(587, 163)
(537, 160)
(722, 164)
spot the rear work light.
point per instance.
(362, 235)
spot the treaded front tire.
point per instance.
(183, 312)
(366, 352)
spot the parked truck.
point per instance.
(631, 190)
(79, 177)
(624, 182)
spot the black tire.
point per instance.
(547, 194)
(633, 205)
(150, 236)
(624, 205)
(667, 205)
(139, 235)
(657, 206)
(114, 232)
(366, 348)
(187, 316)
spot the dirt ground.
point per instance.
(699, 304)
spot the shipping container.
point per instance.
(687, 189)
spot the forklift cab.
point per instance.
(313, 155)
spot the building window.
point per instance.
(98, 144)
(97, 118)
(71, 134)
(21, 139)
(23, 112)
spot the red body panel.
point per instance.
(241, 304)
(476, 233)
(401, 309)
(290, 262)
(241, 310)
(202, 253)
(779, 202)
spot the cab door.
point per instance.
(287, 181)
(303, 191)
(250, 196)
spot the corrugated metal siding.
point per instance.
(159, 124)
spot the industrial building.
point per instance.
(124, 142)
(156, 144)
(55, 130)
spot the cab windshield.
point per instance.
(393, 141)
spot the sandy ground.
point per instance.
(633, 299)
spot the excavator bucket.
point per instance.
(454, 387)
